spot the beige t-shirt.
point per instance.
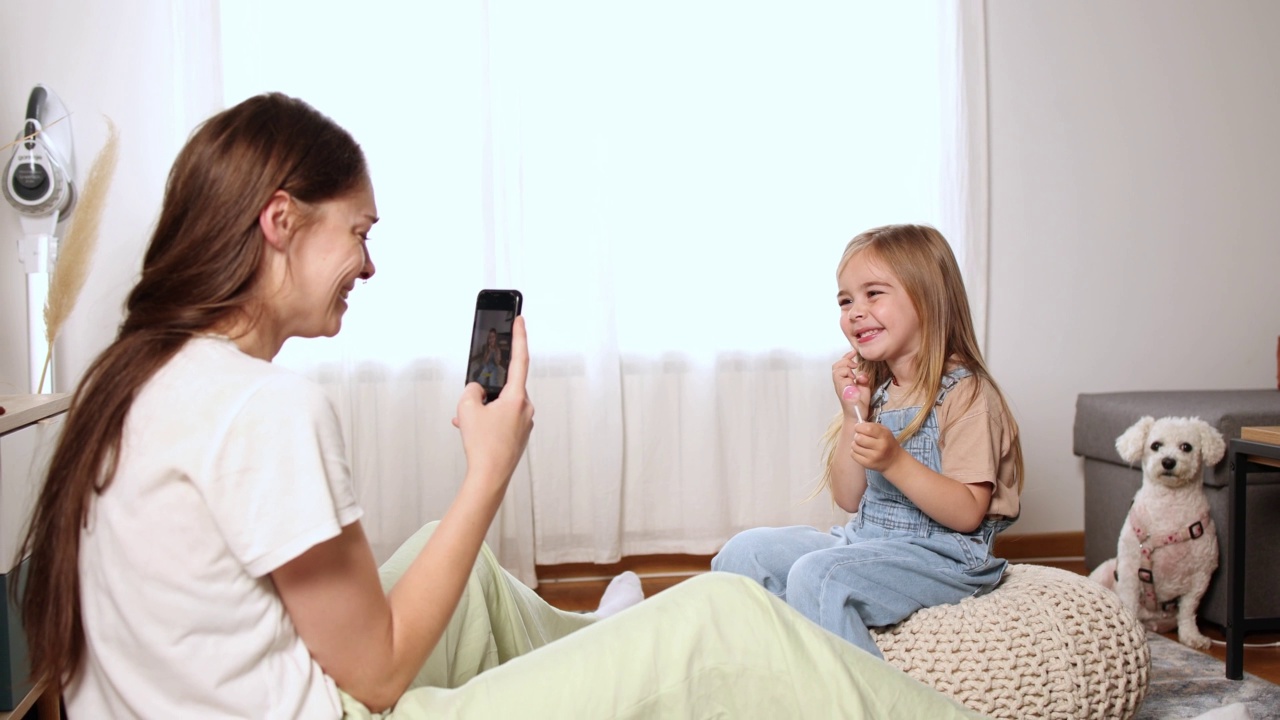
(975, 439)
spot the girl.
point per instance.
(925, 452)
(196, 550)
(490, 358)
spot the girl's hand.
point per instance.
(494, 436)
(874, 447)
(851, 387)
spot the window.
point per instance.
(670, 184)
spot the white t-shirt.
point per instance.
(229, 468)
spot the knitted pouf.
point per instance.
(1046, 643)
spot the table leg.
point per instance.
(1235, 570)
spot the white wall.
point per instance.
(1133, 164)
(101, 59)
(1135, 181)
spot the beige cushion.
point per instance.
(1045, 643)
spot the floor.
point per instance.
(579, 587)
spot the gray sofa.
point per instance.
(1110, 483)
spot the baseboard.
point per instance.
(1018, 548)
(1041, 546)
(671, 565)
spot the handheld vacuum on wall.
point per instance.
(39, 184)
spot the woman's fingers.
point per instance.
(472, 395)
(494, 436)
(518, 373)
(518, 370)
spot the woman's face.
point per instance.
(326, 258)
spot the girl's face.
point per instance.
(877, 315)
(326, 259)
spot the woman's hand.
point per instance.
(372, 644)
(851, 387)
(494, 436)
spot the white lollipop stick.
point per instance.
(856, 360)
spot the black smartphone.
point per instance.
(490, 356)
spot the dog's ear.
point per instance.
(1212, 446)
(1131, 444)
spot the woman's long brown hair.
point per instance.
(200, 270)
(922, 260)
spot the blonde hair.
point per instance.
(921, 259)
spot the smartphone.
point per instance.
(490, 353)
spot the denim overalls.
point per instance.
(888, 561)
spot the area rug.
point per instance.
(1186, 683)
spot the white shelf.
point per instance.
(23, 410)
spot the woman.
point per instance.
(197, 551)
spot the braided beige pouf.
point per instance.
(1046, 643)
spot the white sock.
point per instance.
(624, 591)
(1234, 711)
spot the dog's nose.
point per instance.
(1169, 463)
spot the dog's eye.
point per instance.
(1155, 446)
(1185, 447)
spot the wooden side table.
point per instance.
(1257, 450)
(48, 704)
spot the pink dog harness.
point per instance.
(1147, 546)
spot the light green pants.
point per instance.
(714, 646)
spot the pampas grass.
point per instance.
(75, 252)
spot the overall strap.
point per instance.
(949, 381)
(879, 398)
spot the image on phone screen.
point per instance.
(490, 353)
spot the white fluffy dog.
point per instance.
(1168, 547)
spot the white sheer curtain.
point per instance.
(670, 184)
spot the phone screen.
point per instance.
(490, 354)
